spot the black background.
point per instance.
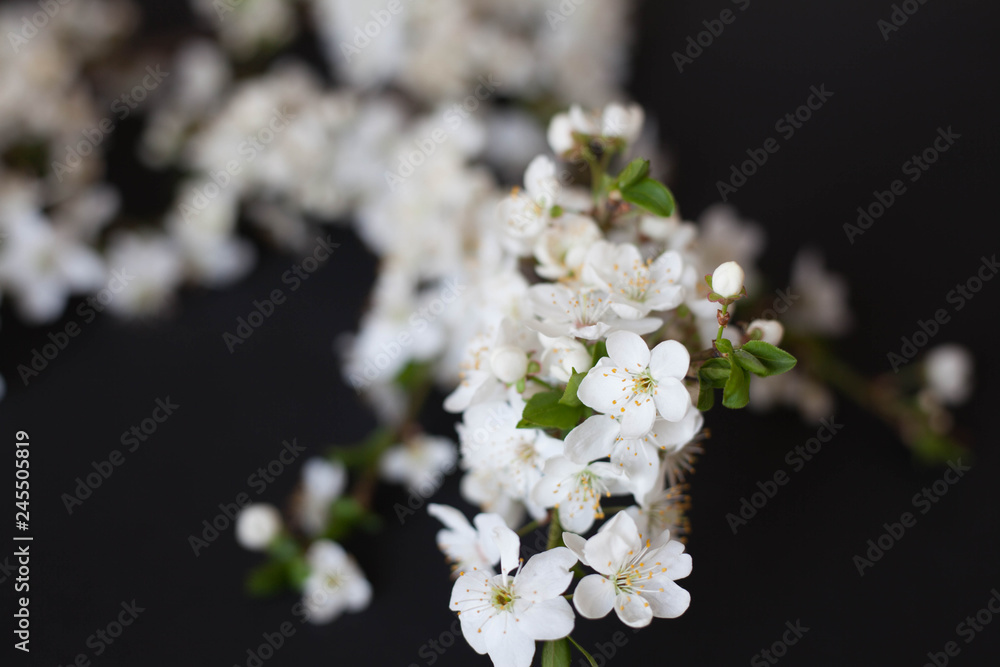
(793, 561)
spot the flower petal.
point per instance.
(671, 602)
(594, 596)
(509, 545)
(576, 544)
(669, 359)
(546, 575)
(633, 610)
(508, 646)
(546, 620)
(641, 412)
(672, 399)
(593, 439)
(630, 351)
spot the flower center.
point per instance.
(502, 597)
(643, 383)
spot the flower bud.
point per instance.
(560, 134)
(771, 331)
(257, 526)
(728, 279)
(509, 363)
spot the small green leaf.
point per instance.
(556, 654)
(774, 360)
(345, 515)
(715, 371)
(635, 171)
(724, 346)
(650, 195)
(736, 393)
(569, 396)
(706, 397)
(750, 363)
(545, 410)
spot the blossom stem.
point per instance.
(530, 527)
(725, 310)
(541, 382)
(555, 531)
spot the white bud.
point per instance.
(948, 371)
(257, 526)
(621, 121)
(771, 331)
(728, 279)
(509, 363)
(563, 355)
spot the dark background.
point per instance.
(793, 561)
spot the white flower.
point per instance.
(638, 456)
(505, 615)
(771, 331)
(257, 526)
(661, 510)
(636, 286)
(817, 297)
(562, 248)
(560, 134)
(509, 459)
(335, 583)
(634, 384)
(478, 382)
(563, 356)
(527, 212)
(636, 574)
(584, 314)
(727, 280)
(322, 483)
(467, 547)
(622, 121)
(948, 371)
(420, 463)
(576, 489)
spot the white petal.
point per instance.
(509, 545)
(605, 387)
(576, 544)
(669, 359)
(633, 610)
(672, 399)
(629, 350)
(594, 596)
(508, 646)
(450, 517)
(546, 575)
(546, 620)
(669, 603)
(606, 551)
(593, 439)
(638, 419)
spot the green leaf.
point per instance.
(545, 410)
(750, 363)
(345, 515)
(569, 396)
(774, 360)
(635, 171)
(712, 375)
(556, 654)
(736, 393)
(413, 375)
(724, 346)
(268, 579)
(715, 371)
(650, 195)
